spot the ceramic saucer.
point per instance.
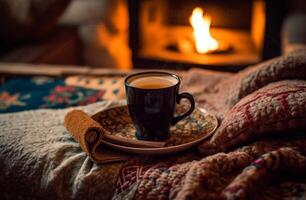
(188, 132)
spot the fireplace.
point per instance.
(241, 33)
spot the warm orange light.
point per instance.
(204, 42)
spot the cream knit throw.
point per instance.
(40, 160)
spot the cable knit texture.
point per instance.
(40, 160)
(290, 66)
(235, 175)
(218, 91)
(278, 107)
(252, 105)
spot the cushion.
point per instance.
(277, 107)
(28, 19)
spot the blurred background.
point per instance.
(126, 34)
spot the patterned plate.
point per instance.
(186, 133)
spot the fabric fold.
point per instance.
(89, 134)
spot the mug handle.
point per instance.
(178, 100)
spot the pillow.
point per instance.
(278, 107)
(290, 66)
(28, 19)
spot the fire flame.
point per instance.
(204, 42)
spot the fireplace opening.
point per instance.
(214, 34)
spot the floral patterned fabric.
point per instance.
(25, 93)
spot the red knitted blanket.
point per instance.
(258, 152)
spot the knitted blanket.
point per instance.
(258, 152)
(40, 160)
(267, 169)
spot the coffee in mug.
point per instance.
(151, 99)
